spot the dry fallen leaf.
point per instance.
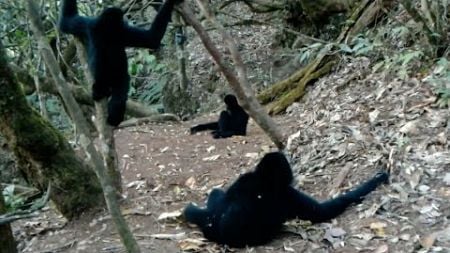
(288, 249)
(447, 179)
(169, 236)
(337, 232)
(190, 183)
(190, 244)
(430, 210)
(415, 178)
(210, 149)
(442, 138)
(428, 241)
(291, 138)
(409, 128)
(378, 228)
(157, 188)
(169, 215)
(252, 155)
(382, 249)
(135, 211)
(373, 116)
(211, 158)
(138, 184)
(370, 212)
(334, 235)
(164, 149)
(405, 237)
(423, 188)
(265, 148)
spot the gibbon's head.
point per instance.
(230, 101)
(274, 169)
(110, 19)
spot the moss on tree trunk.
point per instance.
(43, 153)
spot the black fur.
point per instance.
(253, 209)
(232, 121)
(105, 38)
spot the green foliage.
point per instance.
(400, 32)
(309, 52)
(432, 18)
(12, 202)
(148, 77)
(440, 80)
(402, 141)
(143, 61)
(359, 46)
(397, 48)
(402, 64)
(443, 97)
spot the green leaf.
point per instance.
(378, 66)
(345, 48)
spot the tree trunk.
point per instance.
(43, 152)
(7, 243)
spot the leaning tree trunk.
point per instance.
(43, 153)
(7, 243)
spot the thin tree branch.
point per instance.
(238, 83)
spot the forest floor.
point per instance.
(339, 132)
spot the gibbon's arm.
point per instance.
(151, 38)
(70, 21)
(204, 127)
